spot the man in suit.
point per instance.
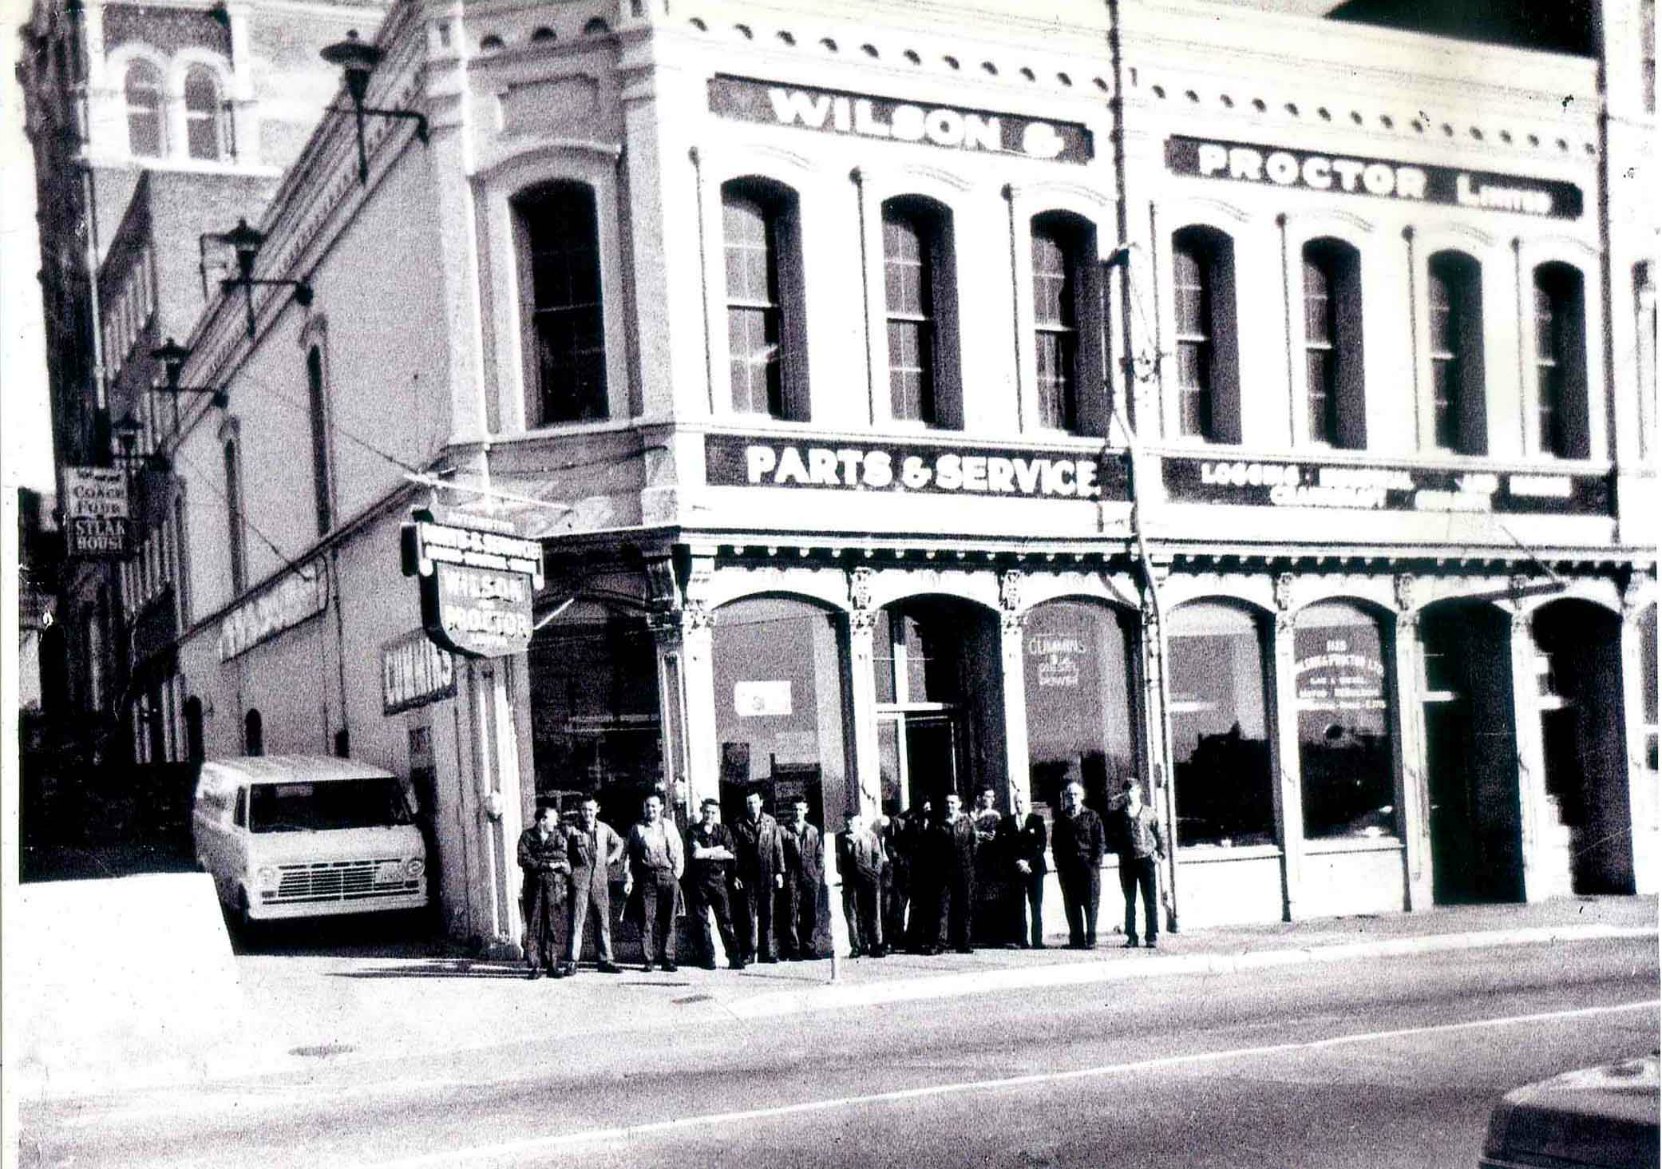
(1023, 838)
(952, 846)
(804, 871)
(860, 862)
(894, 829)
(1077, 842)
(542, 859)
(656, 862)
(710, 864)
(592, 849)
(1141, 846)
(759, 875)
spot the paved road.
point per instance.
(1387, 1063)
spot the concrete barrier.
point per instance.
(118, 974)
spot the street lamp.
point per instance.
(126, 431)
(246, 241)
(356, 62)
(173, 355)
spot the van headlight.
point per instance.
(414, 867)
(389, 873)
(266, 878)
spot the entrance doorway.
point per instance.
(1471, 755)
(918, 755)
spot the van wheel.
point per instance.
(241, 922)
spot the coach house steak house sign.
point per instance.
(1283, 166)
(864, 116)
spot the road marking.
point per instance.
(584, 1137)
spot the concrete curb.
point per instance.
(827, 998)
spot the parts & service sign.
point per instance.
(477, 586)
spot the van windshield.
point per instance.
(373, 802)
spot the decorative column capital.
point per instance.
(1406, 591)
(1284, 591)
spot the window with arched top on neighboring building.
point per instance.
(920, 312)
(1207, 379)
(253, 733)
(1454, 288)
(203, 139)
(234, 519)
(146, 125)
(766, 327)
(1335, 410)
(1560, 345)
(564, 335)
(318, 411)
(1067, 323)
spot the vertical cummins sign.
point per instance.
(477, 585)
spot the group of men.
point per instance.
(908, 880)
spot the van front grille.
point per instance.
(336, 881)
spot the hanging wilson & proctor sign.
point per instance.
(299, 596)
(910, 467)
(1275, 483)
(1283, 166)
(865, 116)
(476, 586)
(415, 672)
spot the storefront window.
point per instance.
(595, 725)
(779, 707)
(1077, 660)
(1344, 727)
(1220, 743)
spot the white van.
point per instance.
(302, 836)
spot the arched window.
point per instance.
(1333, 345)
(253, 733)
(1081, 713)
(145, 134)
(194, 750)
(1560, 363)
(320, 439)
(920, 297)
(202, 119)
(233, 519)
(565, 341)
(1203, 287)
(1454, 284)
(1344, 723)
(1067, 324)
(765, 323)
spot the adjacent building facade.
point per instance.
(1258, 407)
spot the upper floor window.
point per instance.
(202, 120)
(145, 137)
(318, 408)
(1203, 288)
(920, 300)
(233, 519)
(1644, 294)
(564, 337)
(1067, 323)
(765, 322)
(1454, 285)
(1333, 345)
(1647, 53)
(1560, 362)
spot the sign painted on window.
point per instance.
(760, 699)
(477, 585)
(298, 597)
(95, 512)
(865, 116)
(926, 468)
(1278, 483)
(415, 672)
(1339, 675)
(1056, 658)
(1283, 166)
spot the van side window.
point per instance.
(241, 816)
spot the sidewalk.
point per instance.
(309, 1010)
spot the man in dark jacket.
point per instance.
(804, 871)
(542, 859)
(1077, 843)
(860, 863)
(759, 875)
(592, 848)
(951, 854)
(895, 831)
(1141, 846)
(710, 866)
(1022, 835)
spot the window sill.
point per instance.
(1342, 844)
(1191, 854)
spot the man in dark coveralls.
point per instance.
(759, 876)
(542, 858)
(710, 862)
(1077, 842)
(592, 849)
(951, 844)
(860, 863)
(1141, 847)
(804, 875)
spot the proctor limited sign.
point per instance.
(832, 111)
(910, 468)
(477, 585)
(297, 597)
(1283, 166)
(1277, 483)
(95, 511)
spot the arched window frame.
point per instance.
(144, 96)
(1069, 327)
(1205, 379)
(314, 348)
(764, 294)
(204, 131)
(1454, 315)
(1335, 399)
(1559, 345)
(920, 312)
(563, 302)
(236, 543)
